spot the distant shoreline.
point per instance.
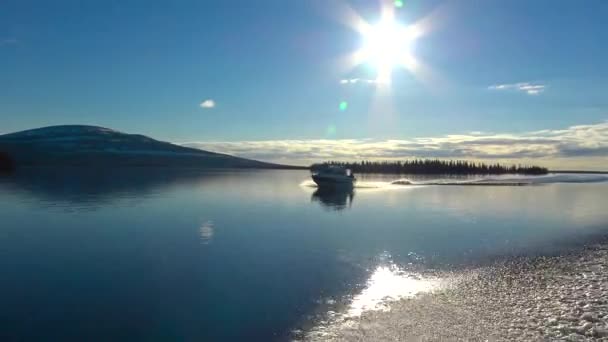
(434, 167)
(275, 167)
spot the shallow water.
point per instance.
(159, 255)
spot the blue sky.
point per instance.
(273, 68)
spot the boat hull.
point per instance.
(329, 181)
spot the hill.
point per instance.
(80, 145)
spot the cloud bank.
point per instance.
(527, 87)
(556, 148)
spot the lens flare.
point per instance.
(331, 130)
(387, 45)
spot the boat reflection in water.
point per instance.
(334, 198)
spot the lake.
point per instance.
(155, 254)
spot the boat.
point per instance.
(332, 176)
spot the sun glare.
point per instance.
(386, 46)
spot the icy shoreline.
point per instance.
(524, 299)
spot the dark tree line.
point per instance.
(428, 166)
(6, 162)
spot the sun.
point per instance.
(387, 45)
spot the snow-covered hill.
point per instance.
(93, 146)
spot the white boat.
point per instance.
(332, 175)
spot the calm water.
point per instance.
(154, 255)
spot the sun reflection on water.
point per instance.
(388, 283)
(206, 232)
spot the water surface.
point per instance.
(253, 255)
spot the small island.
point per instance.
(435, 166)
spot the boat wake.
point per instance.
(357, 185)
(507, 180)
(511, 180)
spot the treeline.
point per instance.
(427, 166)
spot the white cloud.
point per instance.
(527, 87)
(575, 142)
(208, 104)
(348, 81)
